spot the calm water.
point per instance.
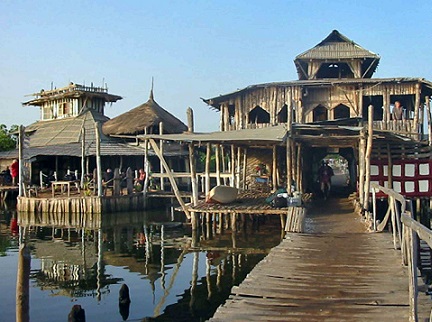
(172, 274)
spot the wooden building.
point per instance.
(335, 82)
(326, 111)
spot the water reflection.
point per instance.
(172, 273)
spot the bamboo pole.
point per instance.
(389, 167)
(416, 111)
(162, 151)
(244, 167)
(98, 161)
(361, 167)
(20, 161)
(82, 157)
(274, 168)
(298, 171)
(368, 157)
(232, 183)
(289, 166)
(223, 164)
(194, 181)
(238, 166)
(207, 169)
(428, 119)
(218, 177)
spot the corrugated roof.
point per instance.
(272, 134)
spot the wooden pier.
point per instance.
(5, 190)
(336, 271)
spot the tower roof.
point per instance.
(337, 47)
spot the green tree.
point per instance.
(7, 139)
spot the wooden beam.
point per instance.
(170, 177)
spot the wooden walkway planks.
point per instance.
(335, 272)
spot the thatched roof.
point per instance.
(337, 47)
(64, 136)
(147, 115)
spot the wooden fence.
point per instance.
(406, 237)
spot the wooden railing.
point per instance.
(404, 127)
(407, 238)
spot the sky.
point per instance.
(193, 49)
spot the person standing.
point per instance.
(14, 170)
(398, 112)
(325, 172)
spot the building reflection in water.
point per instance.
(75, 252)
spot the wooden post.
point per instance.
(22, 286)
(374, 209)
(274, 168)
(289, 166)
(20, 161)
(368, 157)
(389, 167)
(428, 119)
(194, 180)
(207, 169)
(161, 149)
(129, 181)
(238, 166)
(116, 182)
(412, 272)
(98, 161)
(361, 161)
(416, 111)
(232, 181)
(82, 157)
(299, 167)
(190, 120)
(244, 167)
(218, 177)
(223, 164)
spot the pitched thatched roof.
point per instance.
(337, 47)
(64, 136)
(147, 115)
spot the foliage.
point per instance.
(8, 137)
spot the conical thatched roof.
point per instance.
(147, 115)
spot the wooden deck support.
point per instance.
(171, 178)
(207, 169)
(368, 158)
(98, 162)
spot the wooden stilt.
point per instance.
(98, 161)
(161, 146)
(207, 169)
(368, 157)
(274, 168)
(217, 153)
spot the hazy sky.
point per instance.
(192, 49)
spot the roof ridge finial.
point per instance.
(151, 90)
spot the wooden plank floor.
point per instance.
(335, 272)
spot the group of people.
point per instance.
(10, 174)
(108, 177)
